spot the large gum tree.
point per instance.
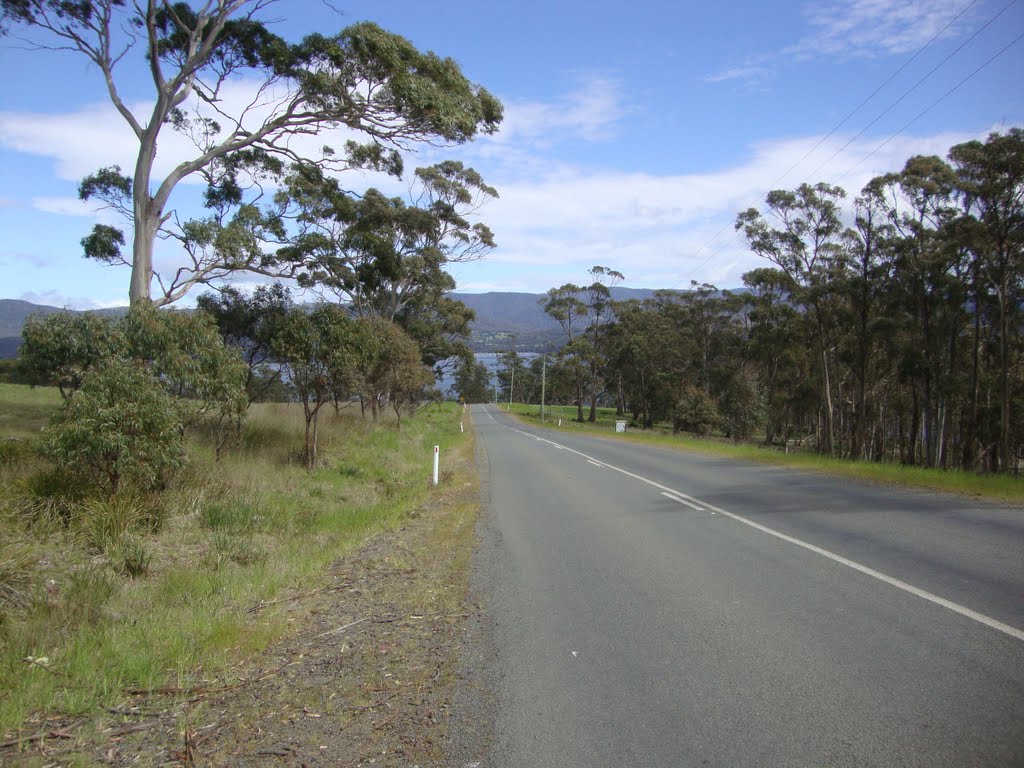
(383, 93)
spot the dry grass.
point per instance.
(148, 592)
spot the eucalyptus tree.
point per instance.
(928, 288)
(869, 242)
(387, 257)
(990, 185)
(380, 253)
(320, 352)
(249, 324)
(389, 367)
(647, 350)
(777, 341)
(564, 306)
(807, 244)
(472, 381)
(597, 298)
(364, 80)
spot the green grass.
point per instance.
(993, 487)
(25, 410)
(114, 596)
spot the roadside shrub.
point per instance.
(121, 426)
(694, 412)
(62, 347)
(180, 351)
(742, 407)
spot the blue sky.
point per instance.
(634, 133)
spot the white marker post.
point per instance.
(437, 459)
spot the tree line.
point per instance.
(886, 328)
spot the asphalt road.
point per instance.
(653, 608)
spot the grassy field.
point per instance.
(994, 487)
(100, 597)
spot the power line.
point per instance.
(888, 80)
(912, 88)
(835, 128)
(935, 103)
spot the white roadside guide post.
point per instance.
(437, 458)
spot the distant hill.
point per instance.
(506, 319)
(503, 320)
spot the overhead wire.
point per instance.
(913, 88)
(889, 79)
(931, 106)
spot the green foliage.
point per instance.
(104, 244)
(395, 367)
(105, 521)
(60, 348)
(320, 352)
(120, 427)
(695, 412)
(249, 324)
(12, 373)
(179, 352)
(742, 407)
(363, 79)
(472, 381)
(387, 256)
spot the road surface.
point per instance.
(655, 608)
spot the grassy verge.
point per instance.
(993, 487)
(98, 601)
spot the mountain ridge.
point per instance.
(503, 319)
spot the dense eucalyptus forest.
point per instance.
(885, 327)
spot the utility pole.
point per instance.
(512, 384)
(543, 383)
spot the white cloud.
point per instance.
(64, 206)
(57, 299)
(95, 135)
(663, 231)
(751, 73)
(857, 29)
(589, 113)
(870, 28)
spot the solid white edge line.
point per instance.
(981, 618)
(681, 501)
(589, 461)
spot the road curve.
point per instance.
(652, 608)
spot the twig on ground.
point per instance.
(341, 628)
(375, 704)
(41, 736)
(291, 598)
